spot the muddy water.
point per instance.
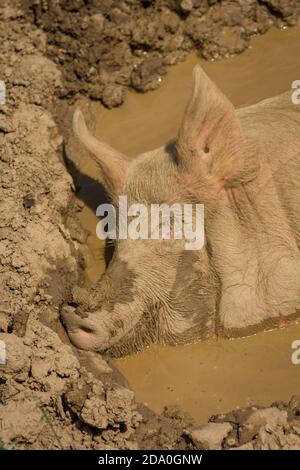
(211, 377)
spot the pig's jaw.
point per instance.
(101, 329)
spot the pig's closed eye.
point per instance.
(206, 149)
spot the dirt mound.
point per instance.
(52, 396)
(105, 47)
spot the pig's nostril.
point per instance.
(86, 329)
(66, 312)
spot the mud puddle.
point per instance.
(212, 377)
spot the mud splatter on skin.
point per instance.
(142, 335)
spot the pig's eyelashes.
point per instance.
(206, 149)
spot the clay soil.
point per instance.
(51, 395)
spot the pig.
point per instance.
(243, 165)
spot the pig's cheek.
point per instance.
(81, 338)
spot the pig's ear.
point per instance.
(210, 141)
(113, 164)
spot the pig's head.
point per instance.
(156, 290)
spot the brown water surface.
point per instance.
(211, 377)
